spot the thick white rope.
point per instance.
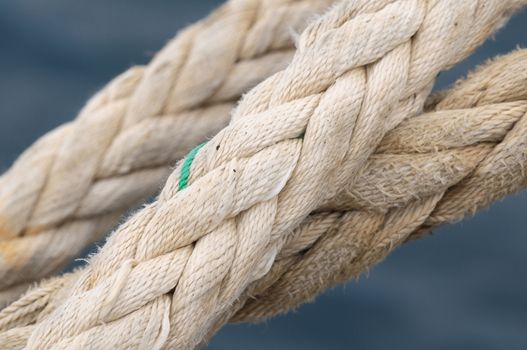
(130, 134)
(230, 203)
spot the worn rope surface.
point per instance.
(349, 83)
(455, 141)
(127, 268)
(446, 164)
(130, 133)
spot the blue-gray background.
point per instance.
(462, 288)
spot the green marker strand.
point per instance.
(185, 170)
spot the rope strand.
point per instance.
(263, 181)
(183, 265)
(130, 134)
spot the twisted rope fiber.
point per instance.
(465, 148)
(480, 154)
(243, 209)
(132, 131)
(509, 62)
(470, 130)
(501, 80)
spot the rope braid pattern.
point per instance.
(131, 132)
(207, 242)
(474, 156)
(324, 238)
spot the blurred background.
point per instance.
(464, 287)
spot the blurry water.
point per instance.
(462, 288)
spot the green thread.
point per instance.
(185, 170)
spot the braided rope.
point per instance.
(484, 161)
(127, 268)
(130, 133)
(450, 131)
(230, 206)
(324, 239)
(462, 147)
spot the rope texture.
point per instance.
(447, 164)
(256, 180)
(52, 206)
(167, 276)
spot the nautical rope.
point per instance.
(129, 134)
(461, 147)
(126, 269)
(164, 277)
(466, 130)
(468, 158)
(324, 238)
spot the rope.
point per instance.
(332, 247)
(160, 304)
(132, 131)
(349, 83)
(484, 161)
